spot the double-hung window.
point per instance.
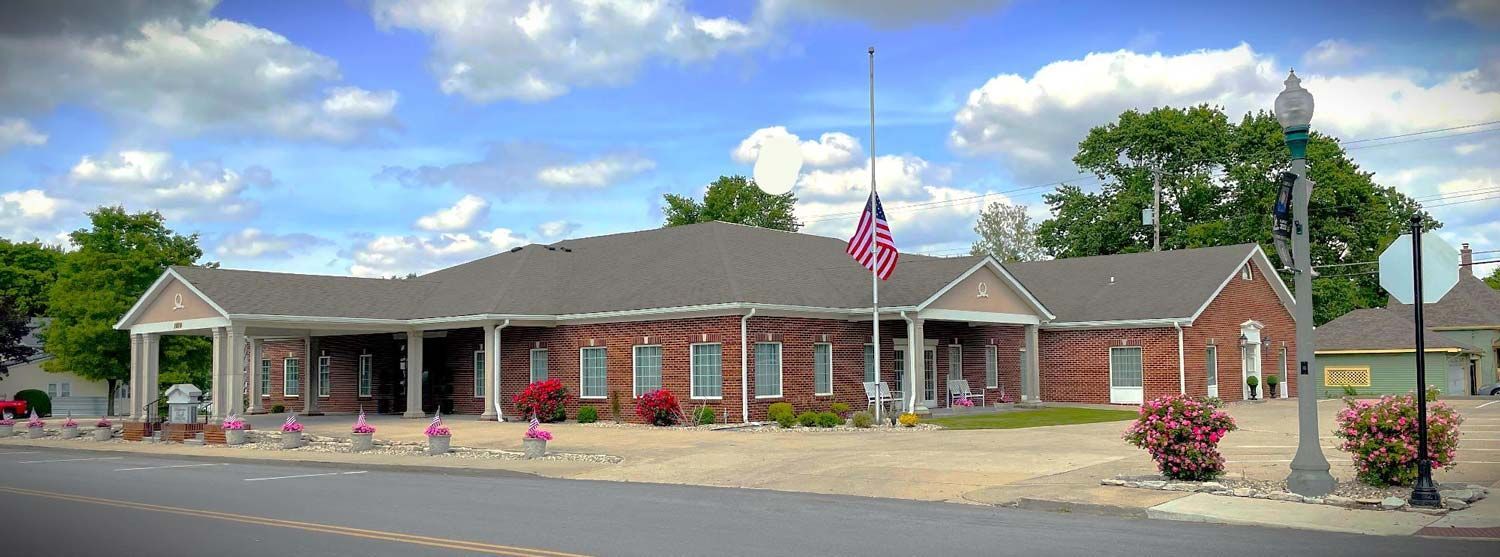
(265, 378)
(66, 389)
(767, 370)
(955, 361)
(991, 367)
(870, 375)
(366, 375)
(647, 369)
(291, 378)
(479, 382)
(592, 373)
(708, 371)
(538, 364)
(325, 374)
(823, 369)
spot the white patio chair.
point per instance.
(958, 388)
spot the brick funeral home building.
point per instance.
(728, 316)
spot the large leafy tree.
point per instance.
(734, 199)
(1007, 233)
(27, 270)
(117, 258)
(13, 328)
(1494, 279)
(1218, 186)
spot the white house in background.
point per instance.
(69, 392)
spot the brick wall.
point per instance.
(1240, 301)
(343, 353)
(1075, 363)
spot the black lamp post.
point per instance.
(1424, 493)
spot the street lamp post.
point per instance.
(1309, 477)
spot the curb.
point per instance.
(1094, 509)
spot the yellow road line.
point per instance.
(478, 547)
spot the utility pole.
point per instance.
(1156, 209)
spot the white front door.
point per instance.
(929, 377)
(1125, 375)
(1251, 357)
(1211, 363)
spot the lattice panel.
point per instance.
(1346, 376)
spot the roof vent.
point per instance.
(515, 249)
(568, 250)
(1111, 280)
(551, 248)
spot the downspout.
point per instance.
(1181, 366)
(499, 372)
(745, 366)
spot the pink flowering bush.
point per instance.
(236, 424)
(1182, 434)
(963, 401)
(1381, 437)
(538, 434)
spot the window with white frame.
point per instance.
(1211, 365)
(325, 374)
(991, 367)
(1247, 273)
(265, 378)
(870, 375)
(708, 371)
(767, 370)
(52, 390)
(647, 369)
(593, 376)
(1125, 366)
(366, 375)
(291, 378)
(955, 361)
(479, 374)
(823, 369)
(538, 364)
(65, 389)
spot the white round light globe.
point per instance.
(777, 165)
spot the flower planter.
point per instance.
(291, 439)
(7, 430)
(234, 436)
(35, 432)
(103, 433)
(438, 444)
(360, 442)
(70, 432)
(535, 448)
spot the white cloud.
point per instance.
(556, 230)
(594, 173)
(458, 217)
(830, 149)
(152, 180)
(399, 255)
(173, 68)
(531, 50)
(252, 243)
(1333, 53)
(883, 13)
(28, 214)
(1034, 124)
(18, 132)
(899, 177)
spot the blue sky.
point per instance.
(392, 136)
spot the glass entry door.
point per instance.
(929, 377)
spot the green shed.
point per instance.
(1373, 352)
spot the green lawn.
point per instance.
(1034, 418)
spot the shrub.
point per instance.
(36, 401)
(840, 408)
(779, 409)
(1252, 381)
(829, 419)
(588, 415)
(807, 419)
(277, 409)
(1350, 391)
(863, 419)
(704, 416)
(1381, 437)
(543, 399)
(658, 407)
(1272, 381)
(910, 420)
(1182, 434)
(786, 420)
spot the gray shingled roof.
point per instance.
(1379, 329)
(716, 263)
(1471, 303)
(1150, 285)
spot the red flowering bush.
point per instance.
(543, 399)
(1182, 434)
(658, 407)
(1381, 437)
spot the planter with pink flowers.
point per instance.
(535, 440)
(70, 429)
(103, 430)
(438, 436)
(235, 430)
(7, 427)
(35, 427)
(363, 436)
(291, 433)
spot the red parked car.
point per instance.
(12, 407)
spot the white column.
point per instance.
(257, 352)
(491, 371)
(1031, 381)
(237, 373)
(414, 375)
(220, 376)
(137, 376)
(151, 361)
(914, 363)
(310, 394)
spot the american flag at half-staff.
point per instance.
(883, 258)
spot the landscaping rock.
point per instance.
(1153, 484)
(1435, 512)
(1211, 487)
(1338, 500)
(1313, 500)
(1112, 482)
(1455, 504)
(1181, 486)
(1465, 495)
(1367, 501)
(1243, 492)
(1283, 496)
(1392, 503)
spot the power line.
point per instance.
(1424, 132)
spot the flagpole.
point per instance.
(875, 251)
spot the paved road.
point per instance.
(68, 502)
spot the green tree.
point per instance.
(1494, 279)
(116, 260)
(734, 199)
(1007, 233)
(1219, 182)
(27, 270)
(13, 328)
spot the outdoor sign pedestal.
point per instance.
(182, 403)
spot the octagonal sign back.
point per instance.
(1439, 269)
